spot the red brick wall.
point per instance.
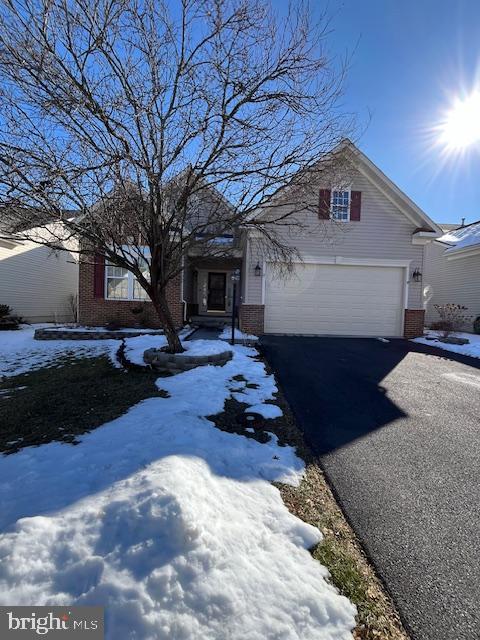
(414, 323)
(98, 311)
(252, 318)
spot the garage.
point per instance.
(335, 299)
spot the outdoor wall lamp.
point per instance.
(417, 275)
(258, 270)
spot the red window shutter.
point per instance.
(355, 205)
(324, 204)
(99, 276)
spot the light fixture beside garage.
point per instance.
(258, 270)
(417, 275)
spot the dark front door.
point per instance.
(217, 283)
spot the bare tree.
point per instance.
(130, 112)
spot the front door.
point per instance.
(217, 283)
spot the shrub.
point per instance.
(452, 317)
(476, 325)
(5, 310)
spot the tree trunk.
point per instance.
(161, 307)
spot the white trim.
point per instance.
(264, 279)
(365, 262)
(245, 265)
(422, 240)
(465, 252)
(182, 297)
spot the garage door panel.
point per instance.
(335, 300)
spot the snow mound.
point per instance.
(169, 523)
(179, 552)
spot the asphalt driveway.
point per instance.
(397, 429)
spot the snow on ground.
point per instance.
(20, 353)
(472, 349)
(267, 411)
(170, 523)
(239, 335)
(136, 347)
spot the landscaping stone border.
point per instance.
(176, 363)
(59, 334)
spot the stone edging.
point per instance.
(175, 363)
(58, 334)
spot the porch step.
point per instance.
(211, 321)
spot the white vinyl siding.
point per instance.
(455, 281)
(332, 299)
(383, 232)
(36, 282)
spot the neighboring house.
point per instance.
(452, 271)
(37, 282)
(361, 250)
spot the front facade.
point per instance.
(358, 271)
(361, 260)
(452, 269)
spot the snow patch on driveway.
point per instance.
(169, 523)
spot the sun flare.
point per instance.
(461, 127)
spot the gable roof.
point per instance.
(424, 226)
(417, 216)
(462, 238)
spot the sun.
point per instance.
(461, 126)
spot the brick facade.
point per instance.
(96, 312)
(252, 318)
(414, 323)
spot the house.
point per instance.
(452, 271)
(36, 282)
(359, 243)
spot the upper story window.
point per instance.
(340, 205)
(121, 284)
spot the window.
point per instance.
(340, 205)
(121, 284)
(139, 292)
(117, 282)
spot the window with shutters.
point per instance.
(121, 284)
(340, 205)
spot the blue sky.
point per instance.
(410, 59)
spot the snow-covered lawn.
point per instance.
(472, 349)
(170, 523)
(20, 352)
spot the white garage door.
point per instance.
(332, 299)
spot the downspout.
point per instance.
(184, 302)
